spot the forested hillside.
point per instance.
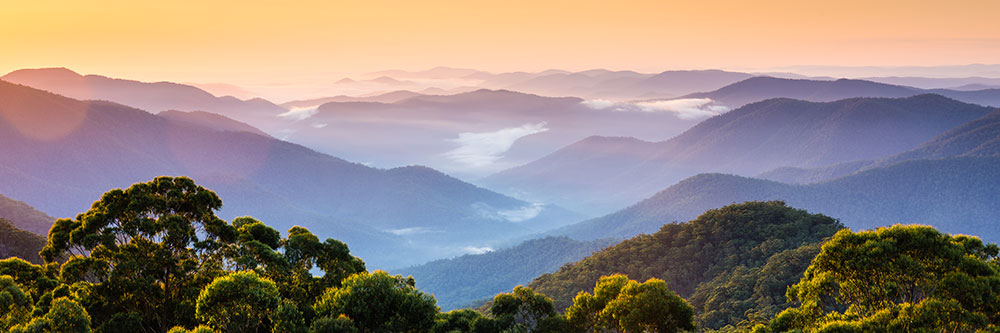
(15, 242)
(727, 243)
(757, 137)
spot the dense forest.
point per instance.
(156, 258)
(699, 257)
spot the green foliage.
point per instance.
(379, 302)
(523, 308)
(15, 304)
(238, 302)
(457, 321)
(339, 324)
(899, 278)
(304, 251)
(155, 256)
(707, 249)
(35, 280)
(629, 306)
(743, 297)
(288, 319)
(65, 316)
(156, 242)
(199, 329)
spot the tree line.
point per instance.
(155, 258)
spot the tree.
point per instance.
(35, 280)
(340, 324)
(523, 308)
(649, 307)
(288, 319)
(619, 303)
(379, 302)
(238, 302)
(15, 304)
(65, 316)
(896, 278)
(303, 251)
(149, 250)
(199, 329)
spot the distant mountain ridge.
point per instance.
(763, 87)
(471, 134)
(389, 97)
(955, 195)
(151, 96)
(610, 172)
(980, 137)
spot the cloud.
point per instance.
(319, 125)
(685, 108)
(516, 215)
(598, 104)
(409, 231)
(476, 250)
(299, 113)
(483, 149)
(523, 213)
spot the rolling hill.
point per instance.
(955, 195)
(690, 255)
(60, 154)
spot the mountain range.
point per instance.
(471, 134)
(608, 173)
(980, 137)
(59, 154)
(151, 96)
(763, 87)
(955, 195)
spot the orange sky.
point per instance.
(265, 41)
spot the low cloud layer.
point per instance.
(476, 250)
(686, 108)
(299, 113)
(515, 215)
(485, 148)
(409, 231)
(522, 214)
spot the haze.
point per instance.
(317, 42)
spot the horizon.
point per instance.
(296, 91)
(319, 43)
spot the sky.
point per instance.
(279, 42)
